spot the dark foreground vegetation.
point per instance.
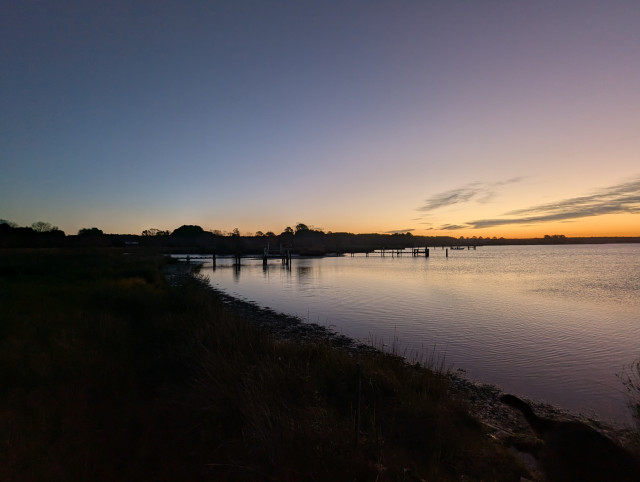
(109, 373)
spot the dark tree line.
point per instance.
(302, 239)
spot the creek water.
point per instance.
(553, 323)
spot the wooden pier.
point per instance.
(285, 255)
(401, 252)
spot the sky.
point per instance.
(462, 118)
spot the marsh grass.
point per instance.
(630, 379)
(108, 373)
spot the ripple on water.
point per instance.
(551, 322)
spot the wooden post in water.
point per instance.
(213, 260)
(426, 252)
(447, 253)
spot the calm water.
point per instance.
(555, 323)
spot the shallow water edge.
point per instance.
(482, 398)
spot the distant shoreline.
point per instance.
(302, 241)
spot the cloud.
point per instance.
(449, 198)
(453, 227)
(617, 199)
(399, 231)
(481, 192)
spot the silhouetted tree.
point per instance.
(11, 224)
(43, 227)
(90, 232)
(188, 230)
(287, 230)
(301, 227)
(259, 234)
(555, 238)
(155, 232)
(235, 232)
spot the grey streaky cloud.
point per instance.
(399, 231)
(617, 199)
(481, 192)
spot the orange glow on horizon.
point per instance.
(613, 225)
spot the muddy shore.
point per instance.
(502, 422)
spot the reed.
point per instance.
(109, 373)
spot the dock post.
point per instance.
(447, 253)
(426, 252)
(213, 260)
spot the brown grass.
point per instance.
(107, 373)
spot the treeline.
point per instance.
(302, 239)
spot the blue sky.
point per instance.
(361, 116)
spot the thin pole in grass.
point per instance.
(358, 390)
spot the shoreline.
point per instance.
(501, 422)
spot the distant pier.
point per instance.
(401, 252)
(285, 255)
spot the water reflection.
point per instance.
(303, 272)
(553, 322)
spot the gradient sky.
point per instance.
(486, 118)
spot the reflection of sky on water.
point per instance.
(551, 322)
